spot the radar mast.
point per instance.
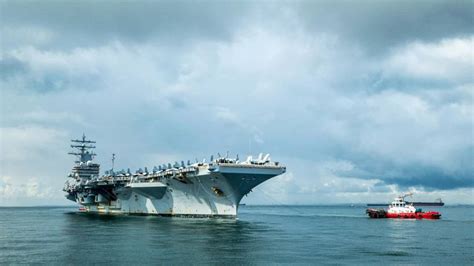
(84, 148)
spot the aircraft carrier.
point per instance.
(198, 189)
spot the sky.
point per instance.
(361, 100)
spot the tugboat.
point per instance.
(402, 210)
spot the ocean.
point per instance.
(260, 235)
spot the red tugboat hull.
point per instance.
(417, 215)
(380, 213)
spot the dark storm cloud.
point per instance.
(432, 178)
(378, 26)
(11, 67)
(411, 174)
(88, 22)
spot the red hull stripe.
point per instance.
(419, 215)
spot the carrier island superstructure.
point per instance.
(196, 189)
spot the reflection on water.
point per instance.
(400, 237)
(401, 228)
(148, 238)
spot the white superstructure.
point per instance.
(200, 189)
(399, 206)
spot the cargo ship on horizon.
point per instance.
(438, 202)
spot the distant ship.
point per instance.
(197, 189)
(438, 202)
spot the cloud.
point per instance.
(31, 166)
(94, 23)
(32, 192)
(449, 60)
(374, 26)
(345, 119)
(30, 34)
(28, 142)
(380, 26)
(370, 124)
(11, 67)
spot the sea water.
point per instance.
(260, 235)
